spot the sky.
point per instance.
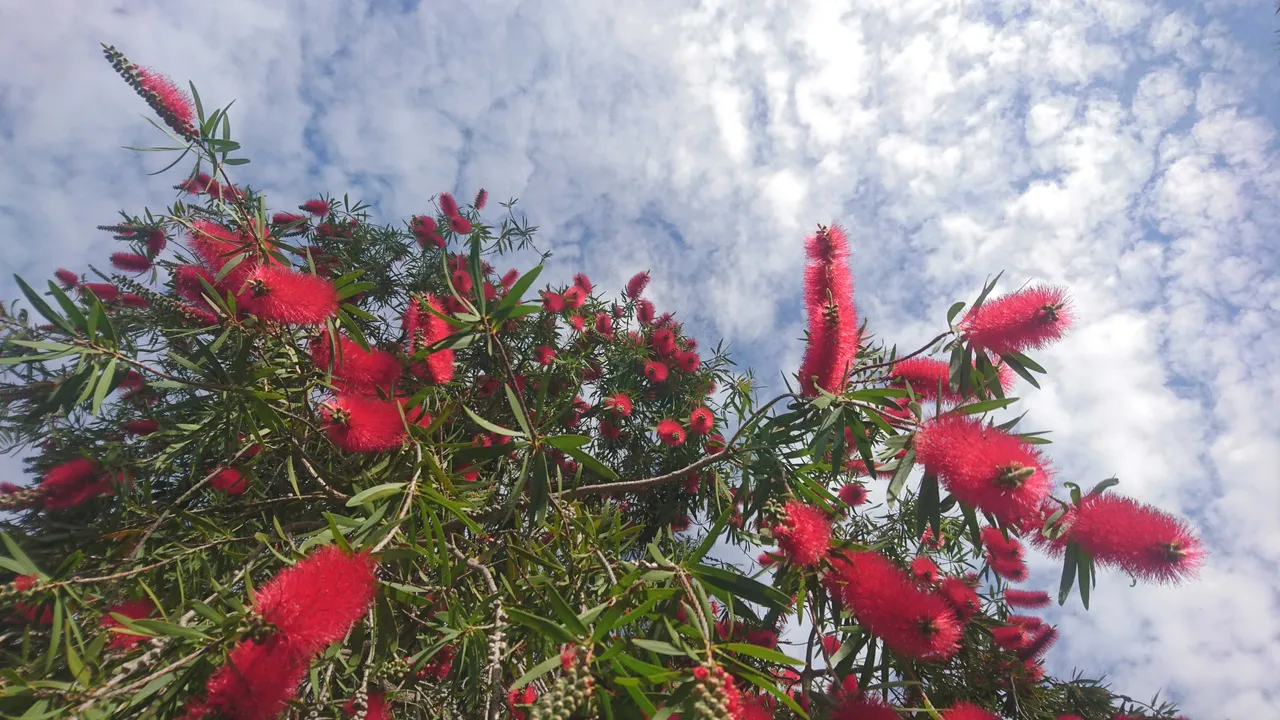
(1124, 148)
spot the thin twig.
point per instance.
(900, 358)
(137, 550)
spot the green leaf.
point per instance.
(68, 306)
(28, 567)
(159, 627)
(658, 646)
(541, 625)
(490, 426)
(927, 506)
(953, 312)
(566, 613)
(539, 488)
(710, 540)
(985, 406)
(590, 462)
(516, 410)
(377, 492)
(568, 442)
(104, 385)
(741, 586)
(1025, 361)
(900, 475)
(537, 671)
(1069, 561)
(762, 653)
(1084, 564)
(517, 291)
(42, 307)
(1109, 482)
(1018, 367)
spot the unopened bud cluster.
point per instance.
(255, 627)
(714, 695)
(570, 692)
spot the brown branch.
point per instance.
(145, 568)
(497, 646)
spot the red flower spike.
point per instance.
(831, 644)
(924, 570)
(136, 609)
(376, 708)
(1024, 320)
(509, 278)
(230, 481)
(195, 185)
(318, 208)
(803, 534)
(287, 218)
(425, 328)
(984, 467)
(34, 614)
(544, 355)
(1141, 540)
(574, 297)
(968, 711)
(832, 318)
(578, 323)
(283, 296)
(637, 284)
(354, 369)
(582, 281)
(257, 683)
(886, 601)
(459, 225)
(687, 361)
(552, 302)
(655, 371)
(133, 301)
(853, 494)
(670, 433)
(156, 241)
(664, 342)
(363, 424)
(67, 278)
(448, 205)
(130, 262)
(1012, 637)
(701, 421)
(619, 405)
(1041, 640)
(1026, 598)
(175, 104)
(186, 281)
(527, 696)
(106, 292)
(926, 375)
(610, 431)
(145, 426)
(74, 483)
(482, 197)
(316, 601)
(962, 598)
(604, 324)
(644, 312)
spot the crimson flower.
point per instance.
(853, 494)
(355, 369)
(1145, 542)
(701, 421)
(670, 433)
(1024, 320)
(281, 295)
(832, 318)
(803, 533)
(968, 711)
(655, 371)
(886, 600)
(67, 278)
(637, 284)
(317, 207)
(363, 424)
(135, 609)
(230, 481)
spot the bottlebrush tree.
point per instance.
(295, 463)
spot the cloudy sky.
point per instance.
(1125, 148)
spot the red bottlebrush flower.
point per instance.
(928, 540)
(215, 244)
(315, 602)
(619, 405)
(195, 185)
(604, 324)
(230, 481)
(355, 369)
(715, 444)
(1070, 717)
(853, 494)
(289, 298)
(681, 524)
(1041, 640)
(637, 284)
(664, 342)
(831, 644)
(482, 197)
(363, 424)
(984, 467)
(136, 609)
(156, 241)
(687, 361)
(459, 225)
(130, 262)
(832, 318)
(145, 426)
(288, 218)
(133, 301)
(318, 207)
(527, 696)
(574, 297)
(962, 598)
(762, 637)
(132, 382)
(610, 431)
(670, 433)
(644, 311)
(886, 600)
(552, 302)
(924, 570)
(968, 711)
(257, 683)
(544, 355)
(186, 281)
(424, 329)
(174, 105)
(73, 483)
(461, 280)
(655, 371)
(106, 292)
(1024, 320)
(582, 281)
(448, 205)
(424, 230)
(767, 559)
(1139, 539)
(67, 278)
(863, 707)
(701, 421)
(1006, 557)
(803, 534)
(376, 707)
(578, 323)
(926, 375)
(1011, 637)
(510, 278)
(35, 614)
(1026, 598)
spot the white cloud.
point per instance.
(1117, 147)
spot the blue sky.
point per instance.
(1125, 148)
